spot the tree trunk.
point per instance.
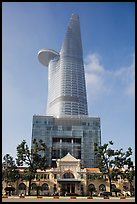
(130, 188)
(37, 191)
(29, 186)
(110, 184)
(17, 187)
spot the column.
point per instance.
(72, 146)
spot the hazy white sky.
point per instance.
(108, 37)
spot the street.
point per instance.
(66, 199)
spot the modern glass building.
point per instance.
(66, 79)
(66, 127)
(74, 135)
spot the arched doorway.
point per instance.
(113, 187)
(68, 184)
(33, 189)
(91, 189)
(10, 190)
(45, 189)
(102, 187)
(22, 188)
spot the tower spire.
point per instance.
(72, 45)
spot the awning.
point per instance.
(69, 180)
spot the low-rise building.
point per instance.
(67, 177)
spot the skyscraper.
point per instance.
(66, 80)
(67, 128)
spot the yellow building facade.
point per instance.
(68, 177)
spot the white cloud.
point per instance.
(93, 63)
(100, 80)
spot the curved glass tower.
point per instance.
(66, 127)
(66, 77)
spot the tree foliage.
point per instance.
(10, 172)
(33, 159)
(111, 162)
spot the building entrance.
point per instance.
(69, 188)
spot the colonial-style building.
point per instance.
(67, 177)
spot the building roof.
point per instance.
(68, 157)
(95, 169)
(92, 169)
(45, 55)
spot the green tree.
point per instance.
(33, 159)
(123, 160)
(129, 174)
(105, 157)
(111, 162)
(10, 173)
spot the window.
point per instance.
(77, 140)
(69, 128)
(55, 139)
(55, 153)
(91, 187)
(46, 176)
(102, 187)
(48, 128)
(113, 186)
(91, 177)
(66, 140)
(45, 186)
(55, 128)
(33, 186)
(37, 176)
(68, 175)
(81, 187)
(22, 186)
(55, 176)
(54, 188)
(64, 152)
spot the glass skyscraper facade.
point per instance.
(75, 135)
(66, 78)
(66, 127)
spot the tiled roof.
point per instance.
(92, 169)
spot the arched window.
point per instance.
(91, 188)
(68, 175)
(22, 186)
(33, 186)
(113, 186)
(102, 187)
(45, 186)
